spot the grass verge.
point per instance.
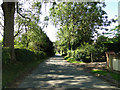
(12, 71)
(114, 75)
(26, 60)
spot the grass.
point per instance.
(115, 76)
(12, 71)
(72, 60)
(26, 60)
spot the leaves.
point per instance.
(77, 22)
(30, 34)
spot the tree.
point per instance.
(30, 33)
(8, 39)
(78, 21)
(99, 45)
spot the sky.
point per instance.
(111, 9)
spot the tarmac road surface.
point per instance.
(58, 73)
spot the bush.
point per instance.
(5, 55)
(40, 54)
(25, 62)
(86, 60)
(99, 57)
(84, 51)
(24, 55)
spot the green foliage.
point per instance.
(31, 42)
(24, 55)
(35, 40)
(66, 57)
(115, 47)
(5, 55)
(99, 45)
(26, 60)
(30, 34)
(115, 76)
(99, 72)
(12, 72)
(72, 60)
(78, 23)
(85, 50)
(115, 41)
(32, 46)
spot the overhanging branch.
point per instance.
(19, 31)
(21, 14)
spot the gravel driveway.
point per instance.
(58, 73)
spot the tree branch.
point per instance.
(19, 31)
(21, 14)
(17, 34)
(1, 34)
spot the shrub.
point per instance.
(40, 54)
(86, 60)
(25, 62)
(5, 55)
(24, 55)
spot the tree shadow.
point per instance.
(58, 73)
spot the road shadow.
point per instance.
(58, 73)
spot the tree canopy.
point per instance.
(28, 32)
(78, 22)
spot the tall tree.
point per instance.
(8, 39)
(78, 21)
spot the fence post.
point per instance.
(109, 56)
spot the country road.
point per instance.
(58, 73)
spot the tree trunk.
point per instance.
(8, 39)
(91, 57)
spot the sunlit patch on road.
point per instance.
(58, 73)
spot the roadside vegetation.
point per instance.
(25, 46)
(26, 60)
(79, 25)
(114, 75)
(72, 60)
